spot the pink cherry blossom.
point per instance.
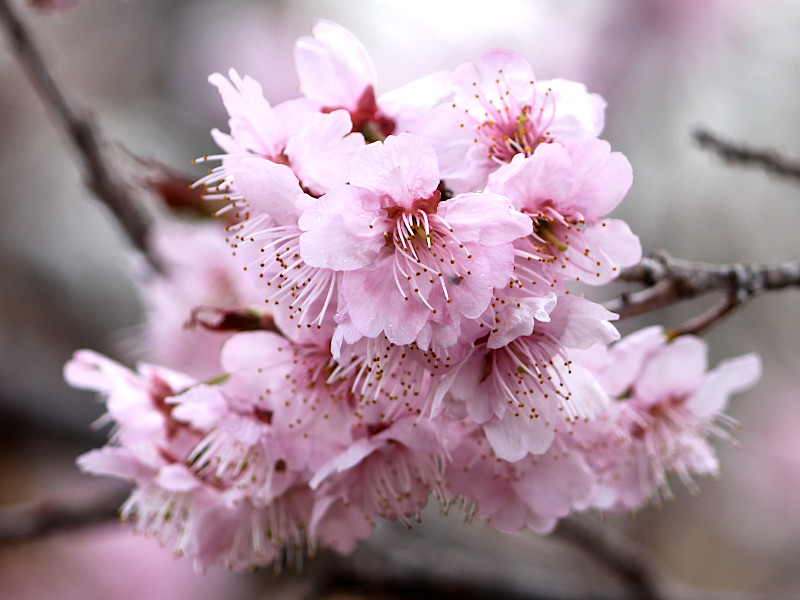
(669, 409)
(336, 72)
(389, 470)
(199, 273)
(163, 442)
(567, 189)
(407, 258)
(314, 145)
(425, 334)
(534, 492)
(522, 392)
(276, 161)
(500, 111)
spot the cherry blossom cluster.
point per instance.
(401, 319)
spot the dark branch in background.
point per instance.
(740, 154)
(631, 564)
(174, 188)
(702, 323)
(32, 520)
(99, 175)
(670, 280)
(400, 566)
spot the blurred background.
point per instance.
(664, 66)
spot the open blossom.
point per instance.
(390, 470)
(409, 260)
(669, 408)
(534, 492)
(277, 160)
(522, 392)
(500, 111)
(567, 189)
(336, 72)
(314, 146)
(213, 477)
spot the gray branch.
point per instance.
(633, 565)
(99, 175)
(741, 154)
(670, 280)
(32, 520)
(397, 564)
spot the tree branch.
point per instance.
(32, 520)
(740, 154)
(702, 323)
(671, 280)
(99, 175)
(400, 566)
(631, 564)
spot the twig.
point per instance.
(636, 567)
(741, 154)
(702, 323)
(401, 568)
(671, 280)
(397, 564)
(631, 564)
(99, 176)
(174, 188)
(32, 520)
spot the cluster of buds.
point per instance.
(400, 320)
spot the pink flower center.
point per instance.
(367, 117)
(427, 254)
(509, 126)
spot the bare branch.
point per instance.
(702, 323)
(636, 566)
(631, 564)
(740, 154)
(671, 280)
(398, 566)
(99, 175)
(174, 188)
(32, 520)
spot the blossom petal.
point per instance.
(730, 376)
(254, 126)
(486, 218)
(402, 169)
(676, 370)
(601, 177)
(513, 437)
(579, 323)
(339, 231)
(117, 462)
(518, 318)
(512, 69)
(375, 304)
(612, 244)
(333, 66)
(320, 152)
(269, 188)
(529, 182)
(578, 114)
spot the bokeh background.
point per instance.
(664, 66)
